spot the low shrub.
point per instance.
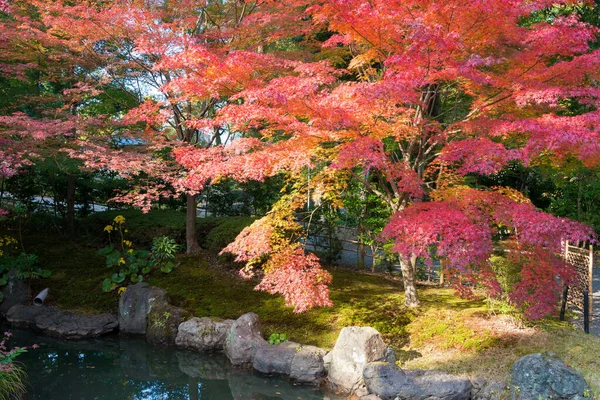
(132, 264)
(226, 231)
(143, 227)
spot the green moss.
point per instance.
(77, 273)
(446, 329)
(447, 332)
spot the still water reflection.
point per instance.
(118, 368)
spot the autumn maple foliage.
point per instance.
(433, 91)
(405, 97)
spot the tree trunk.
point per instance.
(361, 255)
(413, 263)
(70, 221)
(410, 285)
(191, 238)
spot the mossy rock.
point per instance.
(163, 324)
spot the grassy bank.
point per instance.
(447, 333)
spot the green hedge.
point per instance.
(214, 233)
(142, 228)
(225, 231)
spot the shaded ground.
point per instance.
(447, 333)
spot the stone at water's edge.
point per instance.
(244, 340)
(15, 292)
(437, 385)
(64, 325)
(389, 382)
(163, 324)
(487, 390)
(21, 316)
(275, 359)
(136, 303)
(307, 365)
(303, 364)
(385, 380)
(546, 376)
(354, 349)
(203, 334)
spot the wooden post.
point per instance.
(591, 280)
(563, 306)
(586, 311)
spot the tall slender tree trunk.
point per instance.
(410, 283)
(191, 237)
(70, 222)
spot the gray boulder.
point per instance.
(438, 385)
(136, 303)
(307, 365)
(21, 316)
(203, 334)
(486, 390)
(370, 397)
(163, 324)
(545, 376)
(244, 340)
(64, 325)
(15, 292)
(353, 350)
(389, 382)
(386, 381)
(275, 359)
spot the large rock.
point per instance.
(244, 340)
(16, 292)
(486, 390)
(545, 376)
(203, 334)
(64, 325)
(275, 359)
(163, 324)
(353, 350)
(385, 380)
(136, 303)
(438, 385)
(388, 382)
(307, 365)
(21, 316)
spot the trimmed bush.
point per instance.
(142, 227)
(226, 231)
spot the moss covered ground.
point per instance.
(448, 333)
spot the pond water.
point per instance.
(119, 368)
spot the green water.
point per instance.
(117, 368)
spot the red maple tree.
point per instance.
(406, 97)
(437, 90)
